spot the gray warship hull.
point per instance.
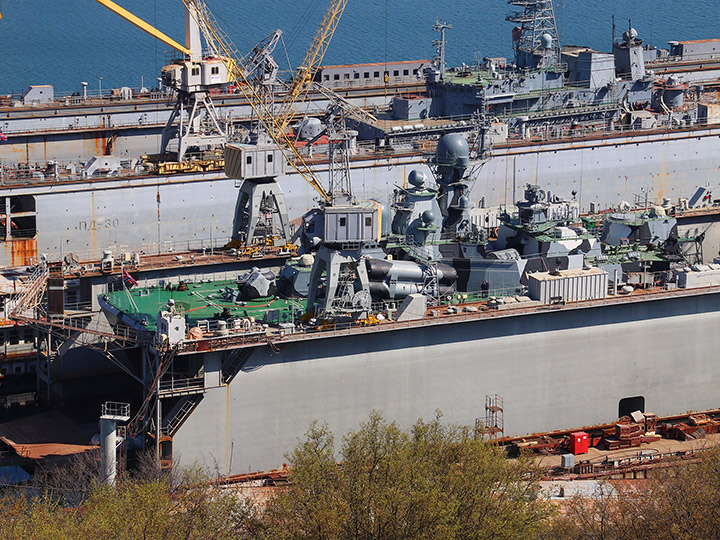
(555, 369)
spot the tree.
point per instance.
(190, 508)
(435, 481)
(310, 508)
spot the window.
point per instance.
(22, 203)
(376, 74)
(343, 221)
(248, 160)
(368, 221)
(196, 71)
(336, 77)
(269, 158)
(214, 70)
(346, 76)
(356, 75)
(326, 77)
(366, 75)
(396, 73)
(415, 71)
(23, 227)
(406, 72)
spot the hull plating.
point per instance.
(89, 216)
(555, 370)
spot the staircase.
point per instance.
(179, 413)
(22, 304)
(234, 362)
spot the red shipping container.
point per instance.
(579, 442)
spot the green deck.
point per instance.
(202, 301)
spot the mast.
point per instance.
(536, 40)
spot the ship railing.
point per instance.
(511, 310)
(181, 386)
(156, 255)
(599, 106)
(683, 58)
(437, 314)
(149, 119)
(78, 308)
(74, 98)
(562, 133)
(230, 341)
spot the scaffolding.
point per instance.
(494, 426)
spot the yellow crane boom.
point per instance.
(306, 72)
(225, 50)
(142, 25)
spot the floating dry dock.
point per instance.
(557, 365)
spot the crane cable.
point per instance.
(302, 23)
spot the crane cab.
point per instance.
(192, 77)
(214, 72)
(195, 76)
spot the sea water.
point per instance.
(64, 42)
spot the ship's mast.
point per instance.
(439, 44)
(536, 40)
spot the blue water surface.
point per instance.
(63, 42)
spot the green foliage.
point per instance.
(435, 481)
(313, 492)
(136, 509)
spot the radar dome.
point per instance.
(428, 217)
(309, 128)
(453, 150)
(630, 34)
(546, 41)
(416, 178)
(464, 202)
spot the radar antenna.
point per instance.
(536, 40)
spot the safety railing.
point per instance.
(439, 316)
(190, 385)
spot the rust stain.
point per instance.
(22, 250)
(99, 145)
